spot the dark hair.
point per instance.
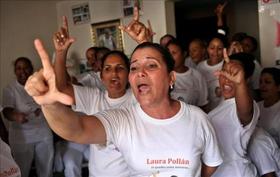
(25, 60)
(254, 42)
(221, 37)
(175, 42)
(167, 57)
(117, 53)
(103, 51)
(247, 61)
(274, 72)
(95, 49)
(167, 35)
(201, 42)
(239, 36)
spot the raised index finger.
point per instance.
(136, 11)
(43, 55)
(226, 58)
(224, 4)
(65, 23)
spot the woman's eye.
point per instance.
(120, 68)
(133, 68)
(106, 69)
(152, 66)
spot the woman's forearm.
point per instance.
(69, 125)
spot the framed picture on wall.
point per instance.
(107, 34)
(80, 14)
(128, 6)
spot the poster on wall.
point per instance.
(128, 6)
(269, 16)
(80, 14)
(107, 34)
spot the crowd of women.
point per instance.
(159, 113)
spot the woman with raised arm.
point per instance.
(235, 118)
(103, 161)
(155, 121)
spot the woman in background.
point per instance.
(270, 106)
(29, 134)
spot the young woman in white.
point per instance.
(197, 53)
(270, 106)
(208, 67)
(103, 161)
(190, 86)
(234, 120)
(264, 153)
(91, 78)
(8, 165)
(29, 134)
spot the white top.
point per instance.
(103, 162)
(191, 88)
(162, 147)
(212, 81)
(90, 79)
(92, 100)
(264, 152)
(233, 139)
(189, 62)
(8, 166)
(270, 120)
(36, 129)
(254, 80)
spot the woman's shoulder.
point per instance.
(194, 111)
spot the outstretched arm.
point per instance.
(219, 11)
(137, 30)
(62, 41)
(234, 72)
(64, 121)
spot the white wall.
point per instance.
(106, 10)
(243, 17)
(269, 15)
(21, 22)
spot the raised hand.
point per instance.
(137, 30)
(61, 39)
(220, 9)
(232, 70)
(42, 85)
(235, 47)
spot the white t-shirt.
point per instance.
(254, 80)
(270, 120)
(212, 82)
(103, 162)
(36, 129)
(233, 139)
(189, 62)
(91, 79)
(264, 152)
(191, 88)
(8, 166)
(162, 147)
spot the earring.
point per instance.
(171, 86)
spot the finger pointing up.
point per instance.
(43, 55)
